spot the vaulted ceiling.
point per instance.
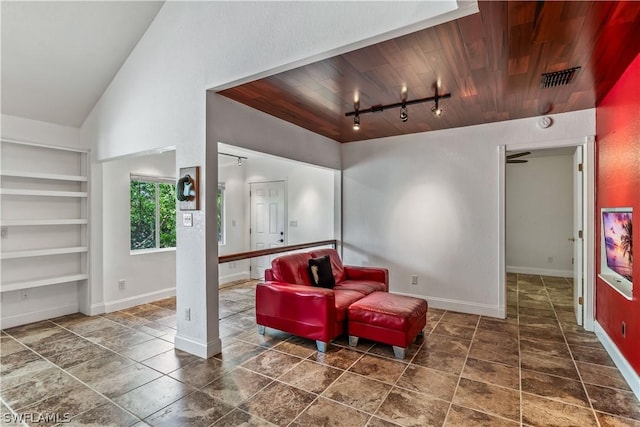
(491, 62)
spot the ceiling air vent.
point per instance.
(558, 78)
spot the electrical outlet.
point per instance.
(24, 295)
(122, 284)
(414, 279)
(550, 260)
(4, 232)
(187, 314)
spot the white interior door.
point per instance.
(578, 241)
(267, 222)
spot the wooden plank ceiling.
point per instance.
(491, 62)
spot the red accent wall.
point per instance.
(618, 185)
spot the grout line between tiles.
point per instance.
(464, 365)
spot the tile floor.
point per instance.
(535, 368)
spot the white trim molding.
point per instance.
(627, 371)
(135, 300)
(36, 316)
(204, 351)
(461, 306)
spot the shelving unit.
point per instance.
(45, 215)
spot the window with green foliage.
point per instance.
(152, 213)
(221, 213)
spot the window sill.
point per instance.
(623, 287)
(151, 251)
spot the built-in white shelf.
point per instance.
(26, 222)
(46, 193)
(38, 175)
(43, 252)
(50, 183)
(47, 281)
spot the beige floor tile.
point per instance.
(195, 409)
(153, 396)
(488, 398)
(492, 373)
(539, 411)
(359, 392)
(407, 408)
(378, 368)
(465, 417)
(278, 403)
(236, 386)
(324, 412)
(310, 376)
(429, 381)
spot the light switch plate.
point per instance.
(187, 219)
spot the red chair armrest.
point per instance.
(367, 273)
(296, 303)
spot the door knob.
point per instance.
(572, 239)
(281, 240)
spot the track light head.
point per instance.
(404, 116)
(356, 122)
(436, 110)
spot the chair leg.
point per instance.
(261, 329)
(322, 346)
(398, 352)
(353, 341)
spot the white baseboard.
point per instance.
(199, 349)
(461, 306)
(96, 309)
(627, 371)
(539, 271)
(36, 316)
(136, 300)
(243, 275)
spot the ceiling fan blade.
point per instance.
(517, 161)
(516, 155)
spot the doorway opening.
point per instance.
(547, 219)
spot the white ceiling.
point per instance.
(59, 57)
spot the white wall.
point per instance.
(44, 302)
(310, 204)
(149, 276)
(427, 204)
(22, 129)
(310, 201)
(539, 216)
(236, 228)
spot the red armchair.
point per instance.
(287, 301)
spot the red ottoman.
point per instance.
(387, 318)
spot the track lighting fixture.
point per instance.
(404, 114)
(240, 158)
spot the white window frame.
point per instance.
(155, 180)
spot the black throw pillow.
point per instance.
(320, 272)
